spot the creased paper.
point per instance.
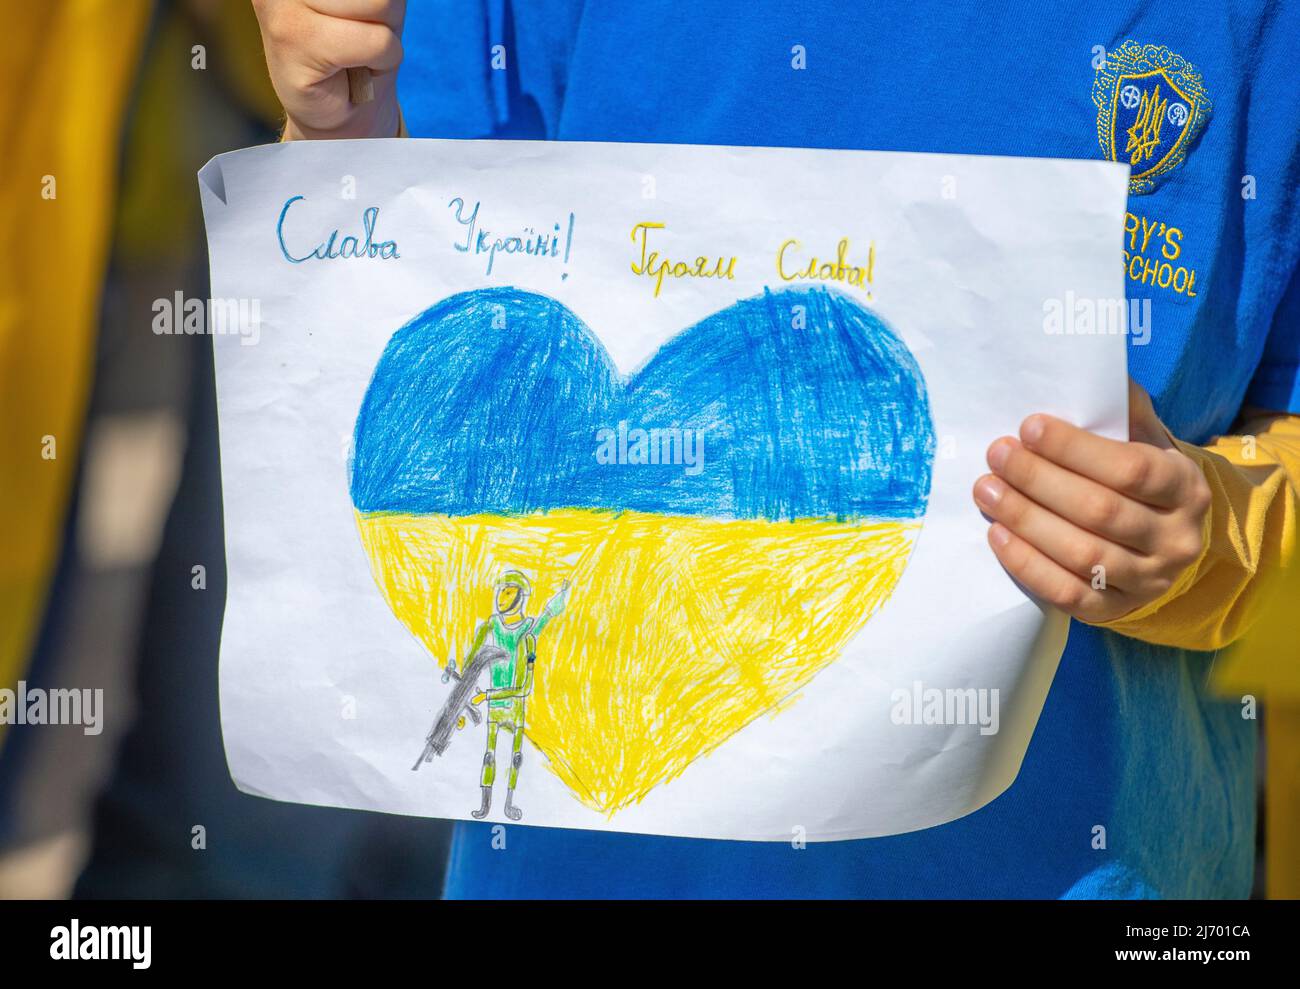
(628, 486)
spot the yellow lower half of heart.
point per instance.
(678, 630)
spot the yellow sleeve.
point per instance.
(1250, 540)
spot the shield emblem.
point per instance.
(1151, 105)
(1150, 119)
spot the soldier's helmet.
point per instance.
(521, 584)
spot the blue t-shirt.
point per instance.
(1130, 739)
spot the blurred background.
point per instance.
(109, 108)
(111, 496)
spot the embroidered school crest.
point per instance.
(1151, 107)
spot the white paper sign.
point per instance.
(629, 486)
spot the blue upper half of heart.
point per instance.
(802, 403)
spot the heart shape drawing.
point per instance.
(704, 590)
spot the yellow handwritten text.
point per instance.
(659, 268)
(839, 270)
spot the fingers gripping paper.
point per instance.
(628, 486)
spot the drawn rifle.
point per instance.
(430, 749)
(435, 743)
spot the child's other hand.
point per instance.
(1066, 502)
(309, 46)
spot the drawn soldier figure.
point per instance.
(508, 642)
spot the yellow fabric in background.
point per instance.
(1282, 800)
(66, 70)
(1266, 664)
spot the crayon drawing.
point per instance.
(627, 570)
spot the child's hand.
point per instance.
(309, 46)
(1066, 502)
